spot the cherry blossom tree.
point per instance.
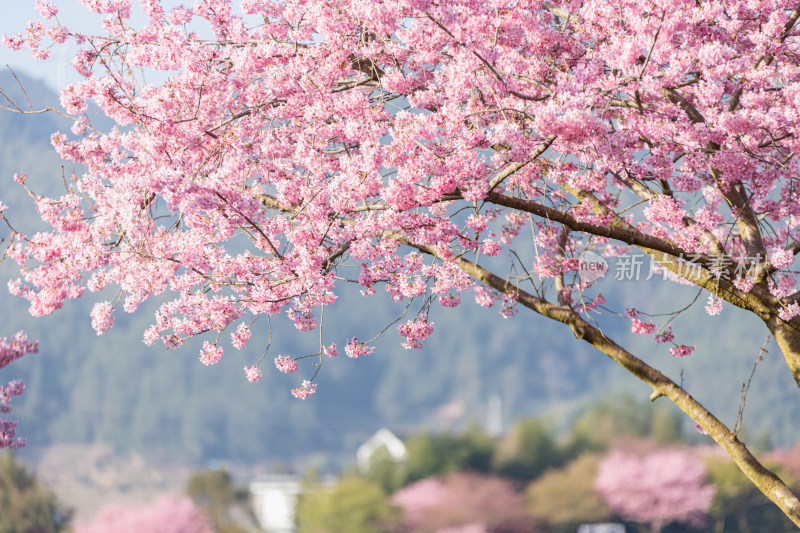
(432, 148)
(463, 501)
(165, 515)
(662, 487)
(11, 350)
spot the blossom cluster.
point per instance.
(681, 351)
(415, 331)
(16, 347)
(305, 390)
(253, 374)
(210, 354)
(662, 335)
(11, 350)
(240, 337)
(286, 364)
(356, 348)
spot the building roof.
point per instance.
(382, 438)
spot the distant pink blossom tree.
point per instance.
(432, 148)
(420, 496)
(661, 487)
(166, 515)
(11, 350)
(463, 502)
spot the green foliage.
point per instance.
(623, 417)
(386, 471)
(426, 456)
(666, 423)
(528, 449)
(25, 505)
(214, 491)
(354, 505)
(473, 449)
(436, 455)
(564, 498)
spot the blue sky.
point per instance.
(56, 71)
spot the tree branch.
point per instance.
(513, 167)
(767, 58)
(766, 481)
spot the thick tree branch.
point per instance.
(747, 220)
(668, 255)
(646, 193)
(514, 167)
(678, 99)
(618, 230)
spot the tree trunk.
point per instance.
(788, 340)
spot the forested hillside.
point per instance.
(113, 388)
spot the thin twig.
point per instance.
(746, 386)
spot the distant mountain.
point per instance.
(166, 404)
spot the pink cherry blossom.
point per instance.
(331, 350)
(8, 435)
(784, 287)
(11, 350)
(210, 354)
(509, 307)
(15, 347)
(483, 297)
(167, 514)
(450, 300)
(415, 331)
(665, 335)
(305, 390)
(252, 373)
(286, 364)
(490, 247)
(101, 317)
(714, 305)
(681, 351)
(46, 9)
(240, 337)
(789, 311)
(744, 284)
(780, 258)
(637, 326)
(477, 223)
(355, 348)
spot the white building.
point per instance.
(274, 497)
(275, 502)
(383, 438)
(602, 528)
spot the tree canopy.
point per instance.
(167, 514)
(433, 148)
(665, 486)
